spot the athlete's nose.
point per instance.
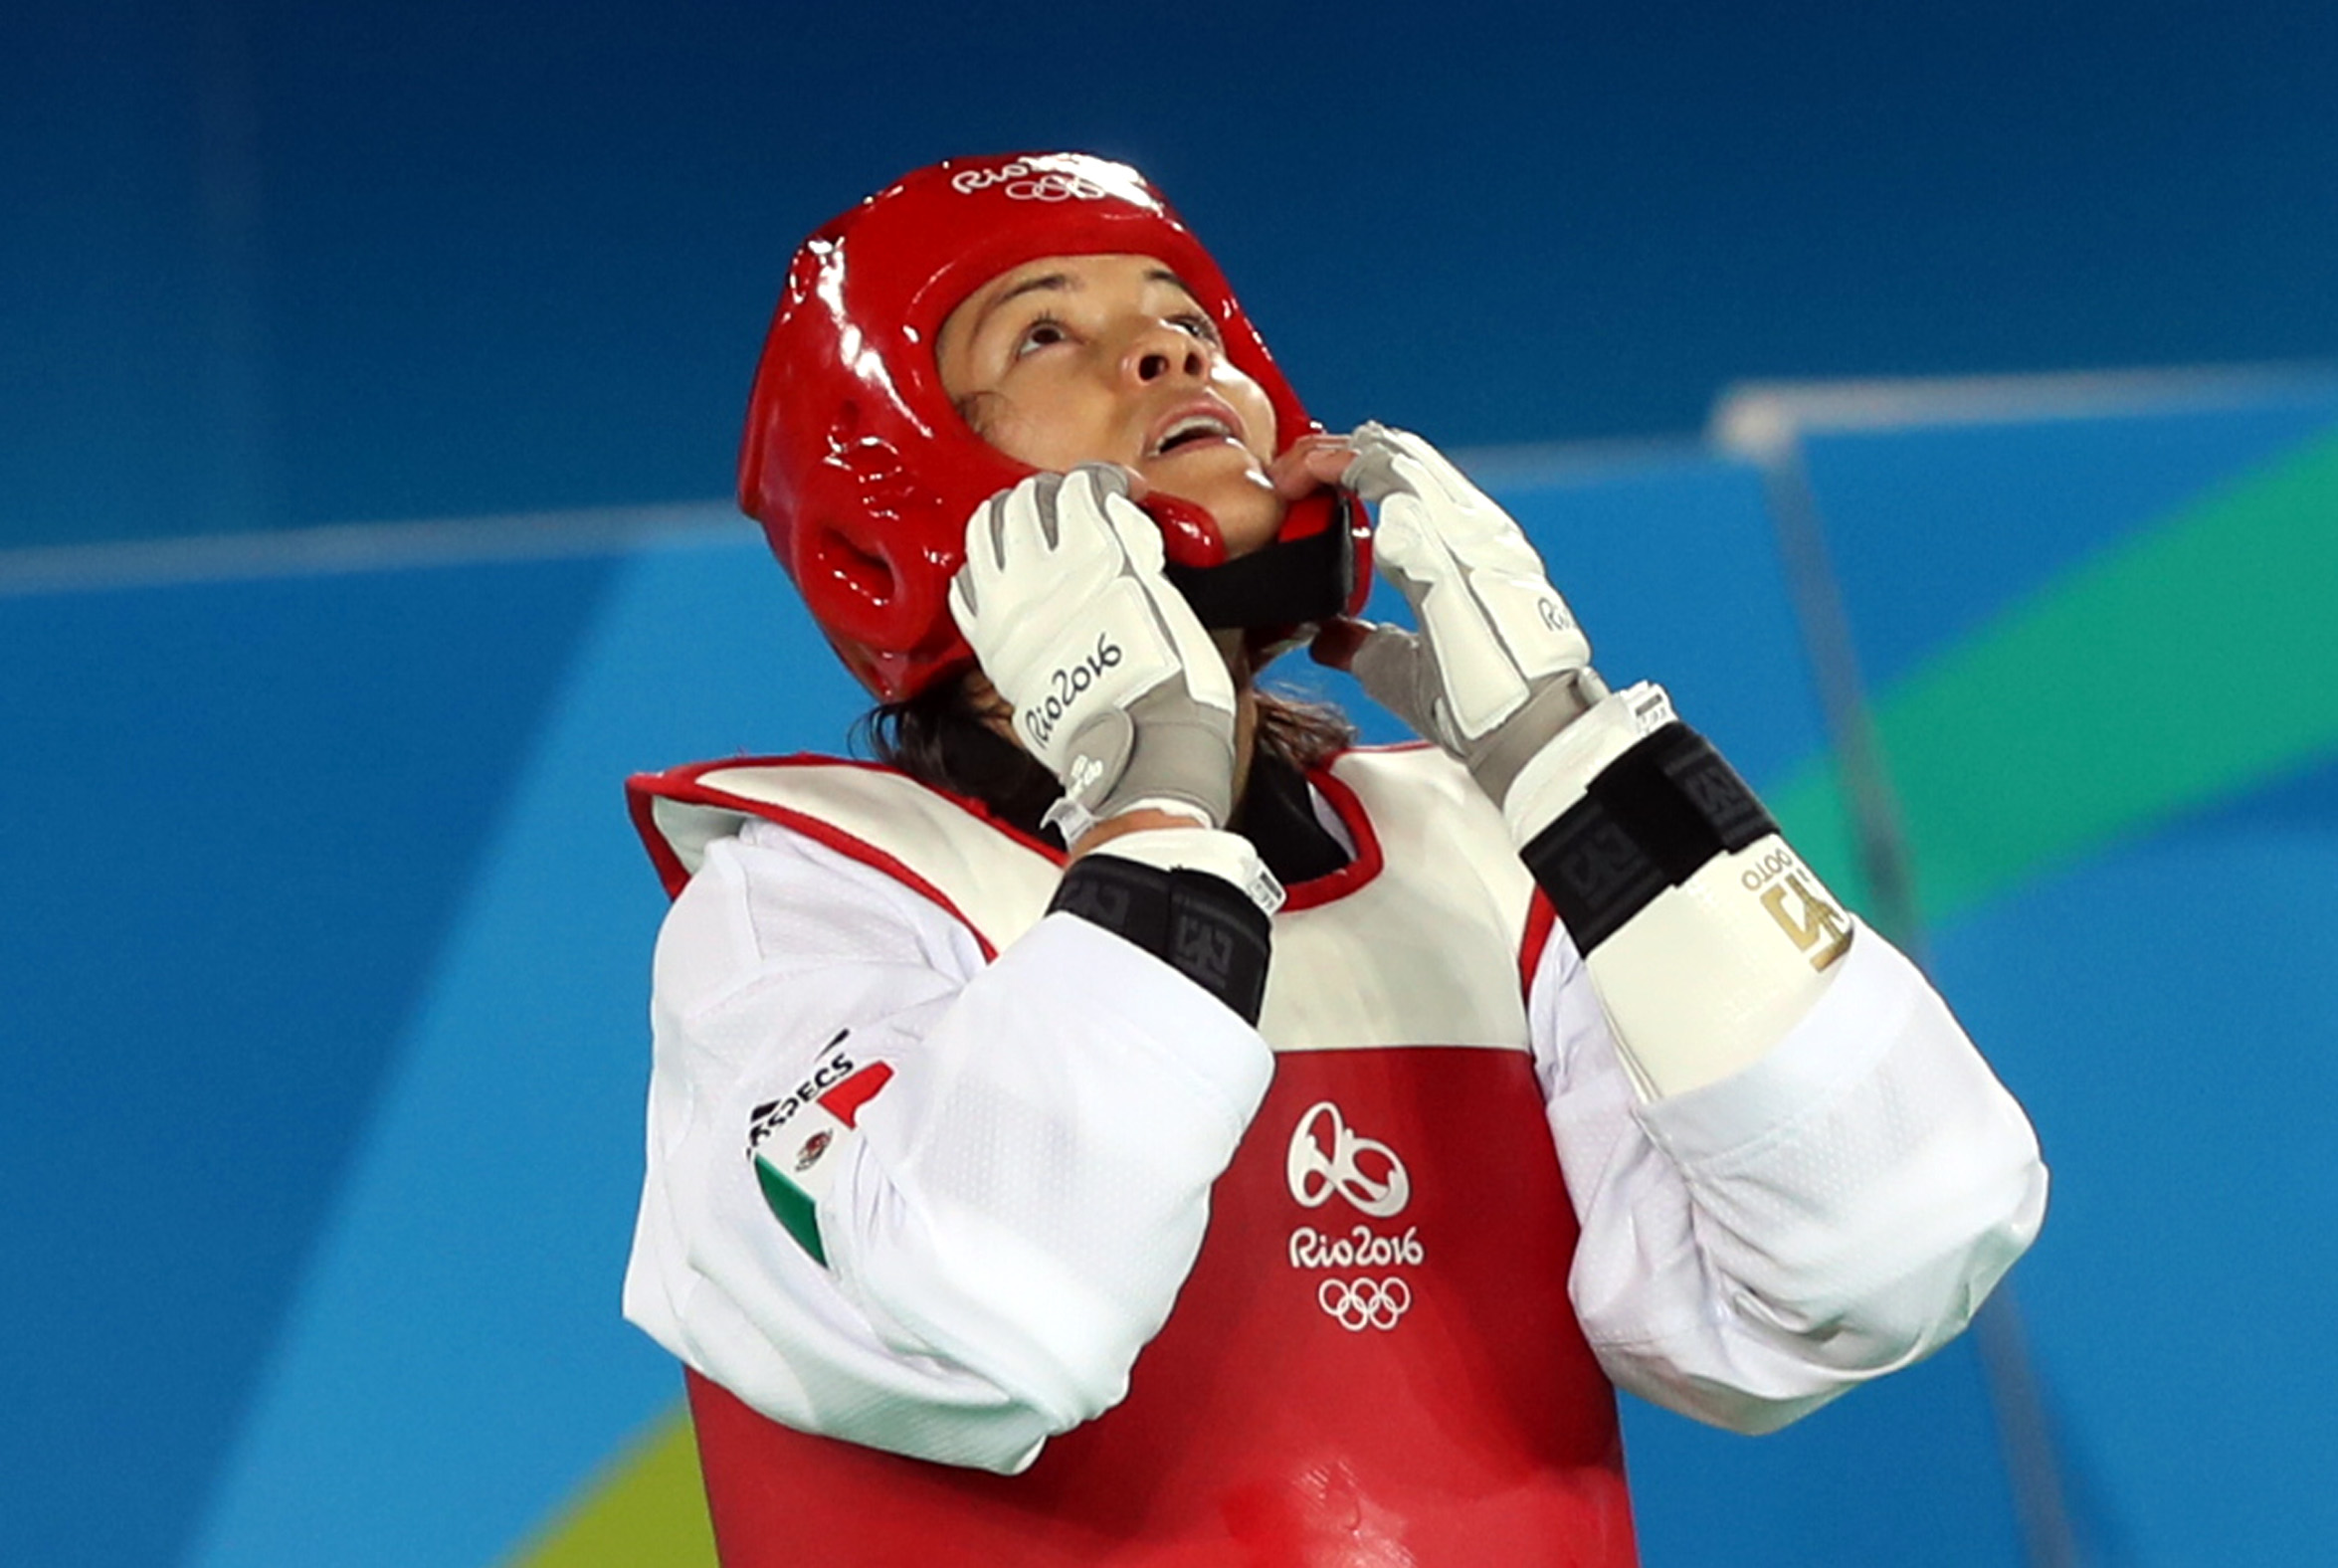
(1161, 352)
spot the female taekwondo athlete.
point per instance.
(1131, 1124)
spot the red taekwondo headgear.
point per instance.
(863, 474)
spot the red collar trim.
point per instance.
(1356, 873)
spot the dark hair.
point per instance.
(943, 737)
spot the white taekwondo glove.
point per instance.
(1702, 969)
(1113, 682)
(1499, 665)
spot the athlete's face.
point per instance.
(1075, 359)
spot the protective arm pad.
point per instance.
(1705, 937)
(1649, 821)
(1198, 923)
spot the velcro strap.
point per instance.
(1289, 582)
(1650, 821)
(1201, 926)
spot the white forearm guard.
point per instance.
(1706, 937)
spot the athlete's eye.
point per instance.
(1042, 333)
(1198, 325)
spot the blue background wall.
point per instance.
(275, 265)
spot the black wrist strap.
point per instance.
(1650, 821)
(1202, 926)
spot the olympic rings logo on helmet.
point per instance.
(1055, 187)
(1358, 1304)
(1024, 183)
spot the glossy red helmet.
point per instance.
(862, 471)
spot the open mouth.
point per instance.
(1192, 429)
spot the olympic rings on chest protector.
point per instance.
(1364, 1303)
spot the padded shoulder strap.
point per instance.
(992, 877)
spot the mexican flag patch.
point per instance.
(798, 1142)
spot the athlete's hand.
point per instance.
(1309, 465)
(1499, 665)
(1110, 679)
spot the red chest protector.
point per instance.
(1374, 1362)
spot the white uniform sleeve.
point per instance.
(1026, 1193)
(1834, 1211)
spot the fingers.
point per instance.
(1134, 484)
(1113, 494)
(1432, 467)
(1337, 641)
(1386, 463)
(1392, 665)
(1408, 550)
(1110, 479)
(1033, 510)
(1386, 660)
(1050, 548)
(1076, 523)
(1389, 461)
(1371, 470)
(1397, 671)
(1313, 463)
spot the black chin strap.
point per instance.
(1291, 582)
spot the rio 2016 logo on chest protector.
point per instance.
(1024, 183)
(1327, 1157)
